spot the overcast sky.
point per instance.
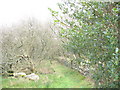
(11, 11)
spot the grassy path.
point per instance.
(63, 77)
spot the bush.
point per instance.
(91, 32)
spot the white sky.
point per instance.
(11, 11)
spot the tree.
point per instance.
(25, 45)
(91, 32)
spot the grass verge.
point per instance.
(63, 77)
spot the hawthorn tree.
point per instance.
(91, 32)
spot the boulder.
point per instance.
(20, 74)
(33, 77)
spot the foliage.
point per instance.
(91, 31)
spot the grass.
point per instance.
(0, 82)
(63, 77)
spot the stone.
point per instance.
(33, 77)
(20, 74)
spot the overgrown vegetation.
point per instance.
(91, 32)
(85, 36)
(63, 77)
(25, 45)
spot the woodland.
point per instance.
(79, 48)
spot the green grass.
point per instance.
(63, 77)
(0, 82)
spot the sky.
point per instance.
(12, 11)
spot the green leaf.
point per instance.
(56, 20)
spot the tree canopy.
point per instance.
(91, 30)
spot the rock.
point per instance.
(20, 74)
(33, 77)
